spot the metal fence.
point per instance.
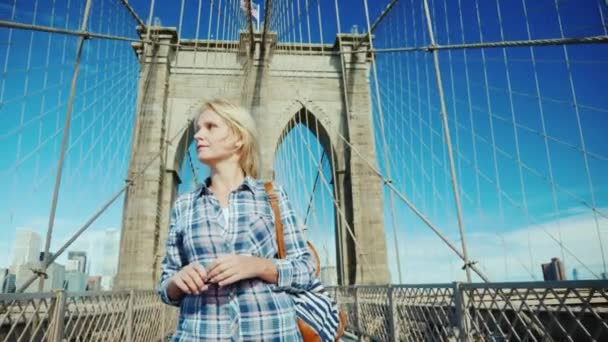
(530, 311)
(87, 316)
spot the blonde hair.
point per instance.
(242, 123)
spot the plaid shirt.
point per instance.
(249, 310)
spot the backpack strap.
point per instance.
(274, 203)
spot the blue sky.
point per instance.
(490, 105)
(36, 74)
(496, 114)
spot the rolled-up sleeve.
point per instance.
(296, 271)
(172, 261)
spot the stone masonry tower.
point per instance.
(328, 85)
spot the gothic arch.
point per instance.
(302, 114)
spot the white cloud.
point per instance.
(425, 259)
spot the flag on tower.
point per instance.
(248, 6)
(255, 11)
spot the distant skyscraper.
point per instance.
(76, 281)
(54, 281)
(4, 273)
(81, 257)
(9, 283)
(24, 271)
(574, 274)
(55, 275)
(72, 266)
(75, 275)
(110, 252)
(554, 270)
(27, 247)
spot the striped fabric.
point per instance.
(318, 310)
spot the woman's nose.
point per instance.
(200, 139)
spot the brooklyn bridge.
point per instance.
(448, 159)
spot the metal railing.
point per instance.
(87, 316)
(530, 311)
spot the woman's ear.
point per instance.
(238, 143)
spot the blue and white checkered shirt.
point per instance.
(249, 310)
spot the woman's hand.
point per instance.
(191, 279)
(230, 269)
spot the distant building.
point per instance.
(107, 283)
(329, 275)
(7, 281)
(111, 246)
(4, 273)
(574, 274)
(24, 272)
(72, 266)
(10, 283)
(553, 270)
(27, 246)
(55, 276)
(76, 281)
(81, 257)
(94, 283)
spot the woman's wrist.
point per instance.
(267, 270)
(173, 292)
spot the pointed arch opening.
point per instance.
(305, 162)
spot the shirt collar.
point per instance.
(248, 184)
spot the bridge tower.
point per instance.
(326, 86)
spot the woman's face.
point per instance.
(214, 139)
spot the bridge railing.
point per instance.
(87, 316)
(530, 311)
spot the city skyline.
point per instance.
(90, 260)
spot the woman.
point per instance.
(220, 265)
